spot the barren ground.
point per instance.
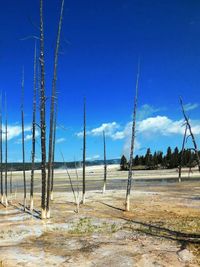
(162, 228)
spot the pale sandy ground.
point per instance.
(113, 171)
(95, 173)
(103, 234)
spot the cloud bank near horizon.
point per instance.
(149, 127)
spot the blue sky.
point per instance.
(100, 45)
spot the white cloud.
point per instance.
(118, 135)
(191, 106)
(164, 126)
(161, 125)
(109, 129)
(95, 157)
(127, 145)
(148, 128)
(80, 134)
(153, 127)
(29, 136)
(60, 140)
(145, 111)
(14, 131)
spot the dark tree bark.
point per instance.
(33, 130)
(127, 203)
(52, 112)
(84, 150)
(191, 133)
(1, 152)
(23, 146)
(105, 164)
(182, 151)
(6, 154)
(42, 114)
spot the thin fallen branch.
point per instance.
(70, 180)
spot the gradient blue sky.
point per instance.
(100, 45)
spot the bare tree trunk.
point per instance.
(191, 133)
(11, 184)
(23, 146)
(189, 171)
(52, 115)
(33, 130)
(6, 154)
(42, 114)
(1, 154)
(77, 188)
(127, 203)
(105, 164)
(53, 157)
(84, 150)
(182, 151)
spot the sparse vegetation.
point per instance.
(86, 226)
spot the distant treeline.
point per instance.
(157, 160)
(18, 166)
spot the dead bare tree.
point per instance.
(77, 188)
(52, 110)
(84, 150)
(105, 164)
(1, 150)
(42, 114)
(53, 156)
(11, 191)
(33, 128)
(191, 133)
(127, 203)
(23, 146)
(182, 152)
(6, 154)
